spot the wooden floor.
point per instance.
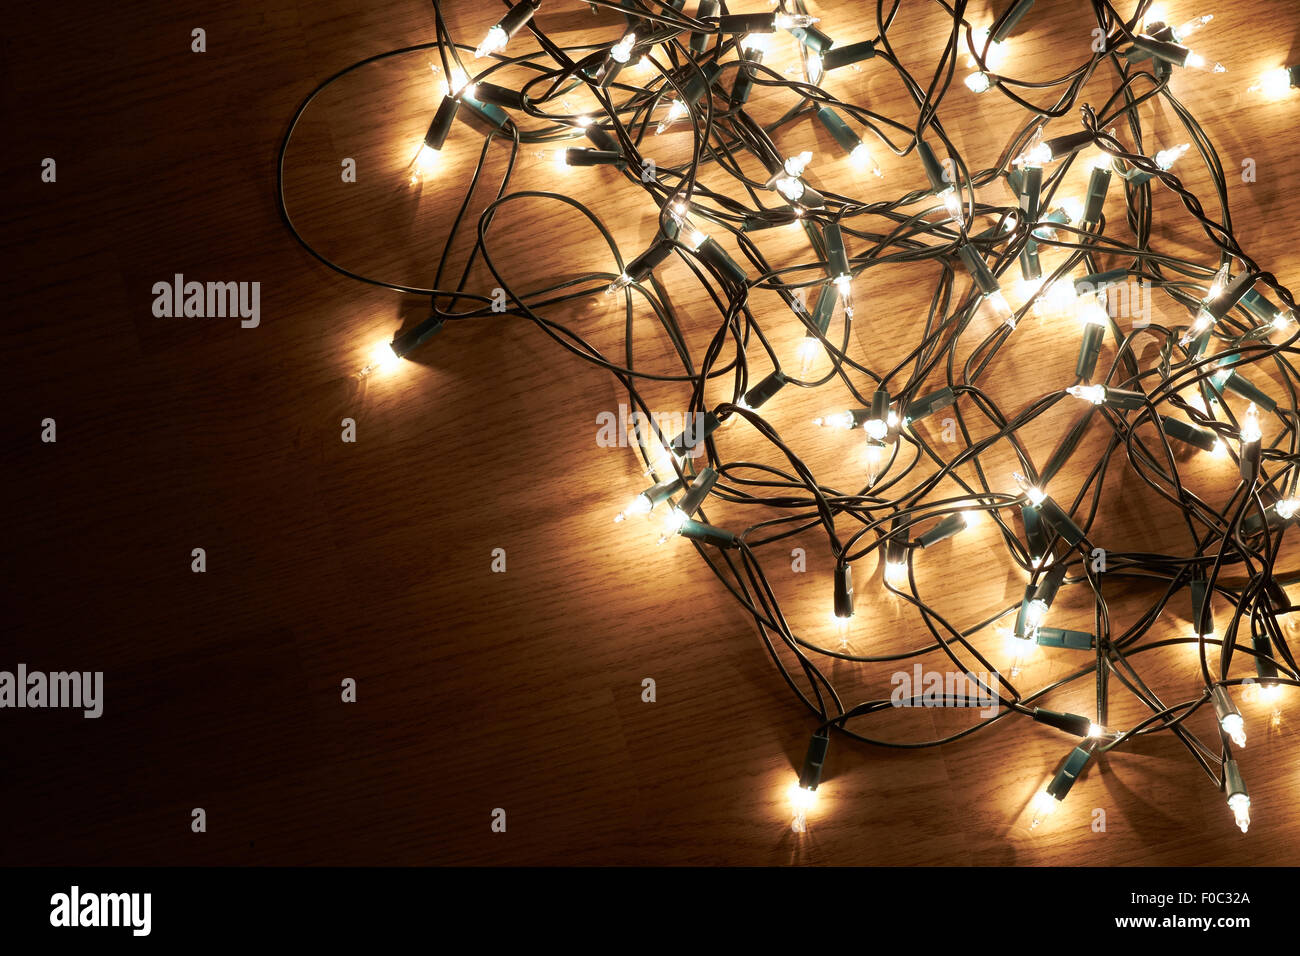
(372, 560)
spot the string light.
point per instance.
(901, 505)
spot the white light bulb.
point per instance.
(998, 304)
(494, 42)
(383, 359)
(995, 54)
(755, 42)
(1101, 161)
(814, 68)
(896, 573)
(1035, 494)
(622, 50)
(674, 523)
(640, 505)
(425, 164)
(795, 165)
(1235, 728)
(861, 159)
(842, 420)
(676, 110)
(1073, 207)
(1286, 509)
(793, 21)
(952, 202)
(810, 350)
(1166, 158)
(1203, 322)
(1239, 804)
(1090, 393)
(844, 286)
(978, 82)
(1035, 614)
(801, 801)
(876, 454)
(1274, 84)
(1187, 28)
(1044, 806)
(1195, 61)
(1040, 154)
(843, 627)
(1250, 430)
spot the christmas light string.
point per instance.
(669, 71)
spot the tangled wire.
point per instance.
(1163, 396)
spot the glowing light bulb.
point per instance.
(1089, 393)
(1286, 509)
(843, 627)
(1250, 430)
(1094, 313)
(1239, 804)
(1096, 730)
(801, 801)
(978, 83)
(814, 68)
(457, 83)
(844, 285)
(1195, 61)
(425, 164)
(952, 202)
(1035, 614)
(810, 350)
(641, 505)
(1282, 321)
(494, 42)
(1235, 728)
(1270, 693)
(796, 165)
(997, 303)
(1073, 207)
(756, 42)
(692, 238)
(1043, 806)
(1203, 322)
(793, 21)
(896, 573)
(842, 420)
(1274, 84)
(1187, 28)
(673, 524)
(994, 55)
(876, 454)
(676, 111)
(621, 51)
(1035, 494)
(1040, 154)
(876, 428)
(383, 359)
(862, 160)
(1166, 158)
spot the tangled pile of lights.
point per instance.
(668, 71)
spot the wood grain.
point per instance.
(372, 560)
